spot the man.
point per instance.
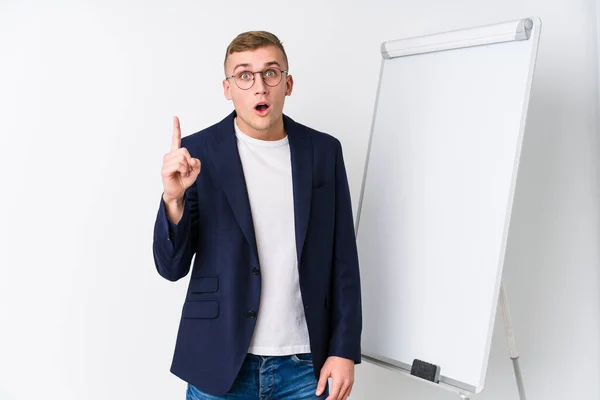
(273, 307)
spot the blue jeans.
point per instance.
(270, 378)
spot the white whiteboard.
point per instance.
(437, 193)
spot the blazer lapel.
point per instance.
(228, 162)
(302, 164)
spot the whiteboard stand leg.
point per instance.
(514, 355)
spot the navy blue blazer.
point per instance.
(222, 300)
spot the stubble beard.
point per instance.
(261, 127)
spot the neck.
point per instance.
(274, 132)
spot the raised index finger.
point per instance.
(176, 142)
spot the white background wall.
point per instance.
(87, 92)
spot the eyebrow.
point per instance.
(246, 65)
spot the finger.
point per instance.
(344, 391)
(188, 157)
(322, 382)
(184, 170)
(176, 141)
(195, 165)
(176, 160)
(174, 167)
(336, 385)
(180, 159)
(349, 390)
(191, 167)
(182, 152)
(174, 172)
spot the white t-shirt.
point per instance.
(281, 324)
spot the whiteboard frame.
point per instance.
(520, 29)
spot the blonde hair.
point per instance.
(252, 40)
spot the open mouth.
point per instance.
(262, 108)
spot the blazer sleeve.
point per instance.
(346, 293)
(174, 245)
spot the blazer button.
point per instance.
(251, 314)
(255, 271)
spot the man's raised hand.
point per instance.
(179, 170)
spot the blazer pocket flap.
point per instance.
(201, 309)
(204, 284)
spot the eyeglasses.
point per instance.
(245, 79)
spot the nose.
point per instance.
(259, 84)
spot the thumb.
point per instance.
(322, 382)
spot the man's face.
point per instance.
(261, 106)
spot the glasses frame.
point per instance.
(261, 75)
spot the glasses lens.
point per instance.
(272, 76)
(244, 79)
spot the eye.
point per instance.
(270, 73)
(244, 75)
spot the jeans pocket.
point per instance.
(302, 359)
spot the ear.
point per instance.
(289, 85)
(226, 89)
